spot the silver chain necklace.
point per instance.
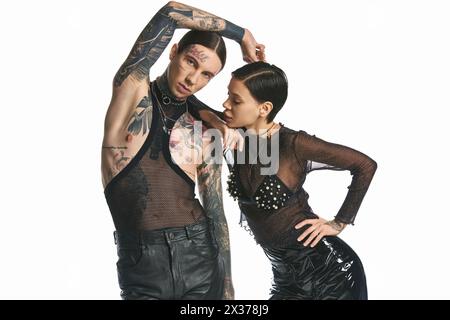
(164, 117)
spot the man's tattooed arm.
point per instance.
(193, 18)
(210, 189)
(159, 31)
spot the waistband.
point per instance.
(122, 238)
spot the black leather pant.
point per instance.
(329, 271)
(171, 263)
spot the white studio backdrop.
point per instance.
(372, 75)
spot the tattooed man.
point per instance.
(170, 246)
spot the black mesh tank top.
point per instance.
(153, 192)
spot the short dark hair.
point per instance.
(209, 39)
(266, 82)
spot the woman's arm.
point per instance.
(361, 167)
(336, 157)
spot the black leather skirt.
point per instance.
(329, 271)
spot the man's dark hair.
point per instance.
(209, 39)
(266, 82)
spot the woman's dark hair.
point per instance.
(209, 39)
(266, 82)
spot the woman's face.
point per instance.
(241, 109)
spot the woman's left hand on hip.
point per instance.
(319, 228)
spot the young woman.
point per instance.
(308, 260)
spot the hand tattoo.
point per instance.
(338, 226)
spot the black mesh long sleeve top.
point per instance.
(273, 204)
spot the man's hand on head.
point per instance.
(252, 51)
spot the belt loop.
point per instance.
(188, 233)
(115, 237)
(166, 237)
(141, 240)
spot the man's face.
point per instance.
(192, 69)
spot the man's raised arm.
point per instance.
(159, 31)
